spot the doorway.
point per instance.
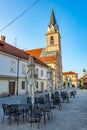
(11, 87)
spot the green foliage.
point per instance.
(80, 84)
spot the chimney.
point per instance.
(2, 38)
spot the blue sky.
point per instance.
(30, 29)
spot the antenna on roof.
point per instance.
(15, 42)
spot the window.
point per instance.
(13, 66)
(23, 84)
(41, 73)
(36, 84)
(42, 86)
(37, 71)
(51, 40)
(23, 68)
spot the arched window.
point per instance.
(51, 40)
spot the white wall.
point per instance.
(5, 72)
(5, 65)
(6, 75)
(39, 71)
(21, 62)
(41, 78)
(20, 90)
(4, 86)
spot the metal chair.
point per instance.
(6, 111)
(35, 116)
(57, 101)
(65, 96)
(15, 112)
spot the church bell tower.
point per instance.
(53, 46)
(52, 35)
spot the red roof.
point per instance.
(34, 52)
(7, 48)
(69, 73)
(48, 58)
(40, 62)
(2, 43)
(37, 52)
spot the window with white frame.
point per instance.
(13, 66)
(41, 73)
(23, 85)
(23, 68)
(37, 72)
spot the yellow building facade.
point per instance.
(71, 76)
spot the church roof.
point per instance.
(52, 18)
(44, 53)
(41, 54)
(48, 59)
(34, 52)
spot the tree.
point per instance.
(80, 84)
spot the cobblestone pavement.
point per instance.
(73, 115)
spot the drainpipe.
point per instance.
(17, 77)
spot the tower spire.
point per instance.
(52, 26)
(52, 18)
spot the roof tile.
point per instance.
(7, 48)
(36, 53)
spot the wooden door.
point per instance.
(11, 88)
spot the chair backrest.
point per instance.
(56, 93)
(41, 100)
(5, 108)
(28, 100)
(14, 109)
